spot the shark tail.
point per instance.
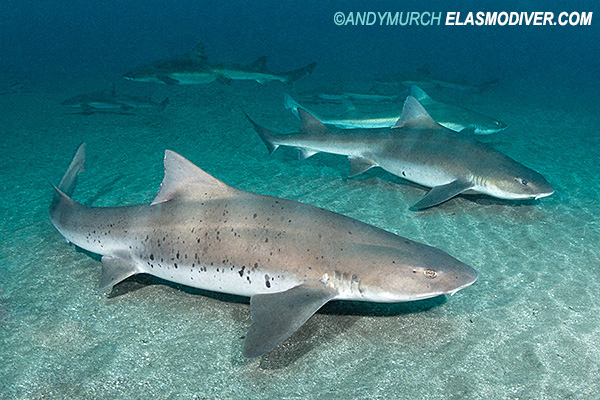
(292, 76)
(267, 136)
(67, 184)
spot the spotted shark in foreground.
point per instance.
(193, 68)
(289, 258)
(420, 150)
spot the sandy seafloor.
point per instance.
(528, 328)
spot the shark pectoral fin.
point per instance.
(468, 130)
(275, 316)
(115, 270)
(168, 80)
(358, 165)
(440, 194)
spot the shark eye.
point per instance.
(430, 273)
(524, 182)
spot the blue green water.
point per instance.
(528, 328)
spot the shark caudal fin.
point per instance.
(62, 204)
(292, 76)
(67, 184)
(267, 136)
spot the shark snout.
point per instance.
(545, 194)
(544, 189)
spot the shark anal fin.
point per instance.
(440, 194)
(358, 165)
(276, 316)
(168, 80)
(304, 153)
(115, 270)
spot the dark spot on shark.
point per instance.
(254, 216)
(241, 271)
(151, 256)
(267, 283)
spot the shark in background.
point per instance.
(111, 101)
(194, 67)
(453, 117)
(420, 150)
(289, 258)
(423, 77)
(355, 121)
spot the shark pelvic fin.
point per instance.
(358, 165)
(413, 113)
(184, 180)
(115, 270)
(276, 316)
(440, 194)
(420, 95)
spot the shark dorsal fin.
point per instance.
(198, 53)
(184, 180)
(413, 113)
(420, 95)
(309, 123)
(260, 65)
